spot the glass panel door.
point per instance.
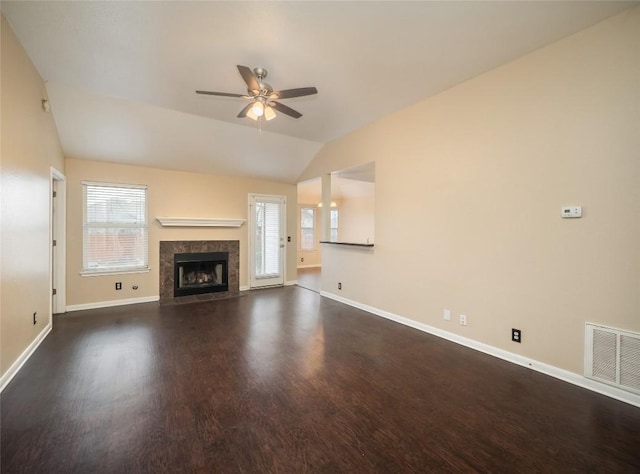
(266, 246)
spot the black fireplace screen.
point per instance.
(198, 273)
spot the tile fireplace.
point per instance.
(198, 270)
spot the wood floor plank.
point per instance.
(285, 381)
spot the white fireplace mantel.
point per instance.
(199, 222)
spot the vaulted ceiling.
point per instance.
(121, 76)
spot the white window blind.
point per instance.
(267, 239)
(307, 228)
(333, 236)
(115, 228)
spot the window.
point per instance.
(307, 228)
(333, 236)
(115, 232)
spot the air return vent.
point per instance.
(613, 356)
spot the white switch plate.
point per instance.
(463, 320)
(447, 315)
(571, 211)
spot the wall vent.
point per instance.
(612, 356)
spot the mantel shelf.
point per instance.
(198, 222)
(353, 244)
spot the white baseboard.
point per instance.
(108, 304)
(317, 265)
(541, 367)
(24, 357)
(286, 283)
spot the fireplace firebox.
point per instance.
(198, 273)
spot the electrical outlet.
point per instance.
(35, 317)
(447, 315)
(516, 335)
(463, 320)
(339, 285)
(118, 285)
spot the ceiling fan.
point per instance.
(262, 97)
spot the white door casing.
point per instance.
(267, 230)
(57, 240)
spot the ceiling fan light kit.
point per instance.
(263, 98)
(256, 111)
(269, 113)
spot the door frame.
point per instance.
(251, 232)
(57, 232)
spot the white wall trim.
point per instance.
(109, 304)
(24, 357)
(541, 367)
(317, 265)
(286, 283)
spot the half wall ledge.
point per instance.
(353, 244)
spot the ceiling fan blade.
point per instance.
(223, 94)
(285, 110)
(243, 112)
(249, 77)
(290, 93)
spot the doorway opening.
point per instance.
(309, 219)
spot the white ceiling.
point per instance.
(121, 76)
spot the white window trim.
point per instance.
(89, 273)
(114, 271)
(116, 185)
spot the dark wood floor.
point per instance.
(285, 381)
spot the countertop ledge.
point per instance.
(353, 244)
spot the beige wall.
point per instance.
(311, 257)
(356, 219)
(30, 146)
(469, 186)
(170, 194)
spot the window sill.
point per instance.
(112, 272)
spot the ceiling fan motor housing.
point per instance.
(265, 89)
